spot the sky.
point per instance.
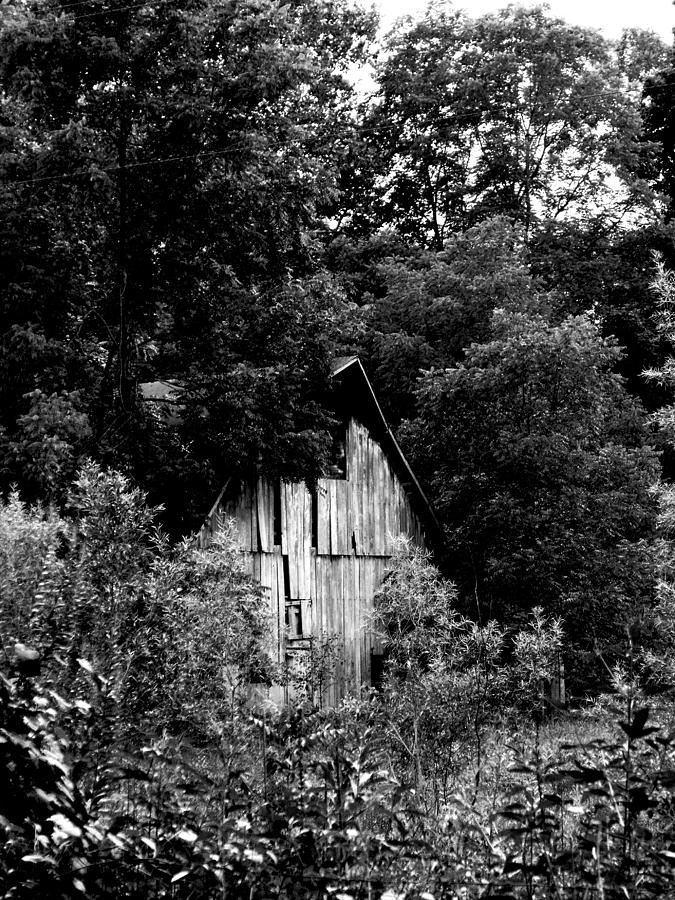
(610, 16)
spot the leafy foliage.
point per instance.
(177, 181)
(514, 113)
(448, 679)
(315, 802)
(538, 464)
(162, 169)
(434, 305)
(175, 633)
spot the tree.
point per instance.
(175, 633)
(592, 267)
(513, 113)
(658, 658)
(161, 168)
(659, 126)
(435, 304)
(538, 463)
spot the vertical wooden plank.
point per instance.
(284, 517)
(306, 543)
(281, 605)
(377, 574)
(364, 608)
(356, 588)
(363, 509)
(313, 627)
(269, 504)
(338, 539)
(351, 623)
(306, 617)
(263, 514)
(317, 598)
(303, 586)
(281, 601)
(354, 487)
(325, 563)
(270, 583)
(333, 526)
(395, 512)
(323, 517)
(291, 520)
(357, 507)
(274, 601)
(253, 514)
(386, 504)
(299, 527)
(383, 501)
(363, 646)
(370, 500)
(298, 519)
(345, 624)
(304, 555)
(342, 542)
(292, 539)
(327, 595)
(374, 511)
(378, 512)
(338, 570)
(363, 477)
(352, 450)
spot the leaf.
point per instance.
(38, 859)
(179, 875)
(187, 835)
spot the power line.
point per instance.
(134, 165)
(63, 6)
(112, 10)
(119, 9)
(353, 131)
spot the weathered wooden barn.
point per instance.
(322, 553)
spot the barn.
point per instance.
(321, 552)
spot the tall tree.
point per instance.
(515, 113)
(659, 119)
(161, 170)
(538, 464)
(593, 267)
(435, 304)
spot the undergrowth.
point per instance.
(132, 764)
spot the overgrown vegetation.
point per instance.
(200, 192)
(133, 765)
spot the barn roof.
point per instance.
(354, 385)
(355, 394)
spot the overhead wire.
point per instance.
(353, 130)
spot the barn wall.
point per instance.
(327, 572)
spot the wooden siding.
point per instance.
(334, 567)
